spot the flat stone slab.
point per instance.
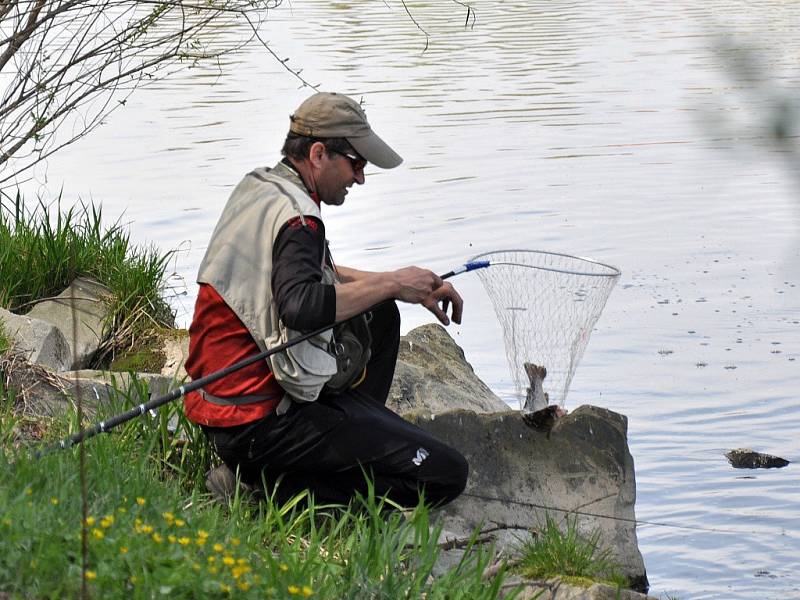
(41, 392)
(80, 313)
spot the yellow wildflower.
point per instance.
(157, 538)
(137, 521)
(213, 570)
(122, 510)
(307, 591)
(140, 501)
(218, 547)
(184, 541)
(147, 528)
(243, 585)
(54, 501)
(195, 567)
(90, 575)
(241, 561)
(179, 522)
(133, 579)
(283, 567)
(89, 521)
(98, 534)
(240, 570)
(224, 587)
(168, 517)
(293, 590)
(107, 521)
(235, 541)
(211, 559)
(202, 533)
(200, 541)
(123, 549)
(228, 560)
(28, 491)
(172, 539)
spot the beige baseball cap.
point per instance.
(332, 115)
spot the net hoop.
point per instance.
(604, 270)
(547, 304)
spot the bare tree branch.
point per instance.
(65, 65)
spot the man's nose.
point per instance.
(359, 176)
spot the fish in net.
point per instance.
(547, 304)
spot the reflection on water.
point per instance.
(594, 129)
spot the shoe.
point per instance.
(221, 482)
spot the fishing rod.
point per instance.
(107, 425)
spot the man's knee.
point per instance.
(452, 479)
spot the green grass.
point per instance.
(557, 552)
(151, 530)
(5, 340)
(43, 251)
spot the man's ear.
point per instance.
(316, 153)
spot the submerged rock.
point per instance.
(745, 458)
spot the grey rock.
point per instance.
(37, 341)
(79, 312)
(555, 589)
(176, 351)
(745, 458)
(519, 475)
(432, 374)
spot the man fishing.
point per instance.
(312, 418)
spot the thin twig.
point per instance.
(470, 12)
(410, 16)
(465, 542)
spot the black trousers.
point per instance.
(329, 446)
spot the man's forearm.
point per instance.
(346, 274)
(361, 290)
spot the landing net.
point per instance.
(547, 304)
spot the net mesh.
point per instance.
(547, 304)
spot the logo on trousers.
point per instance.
(422, 454)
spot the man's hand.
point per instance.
(360, 290)
(414, 285)
(439, 300)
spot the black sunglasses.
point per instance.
(356, 161)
